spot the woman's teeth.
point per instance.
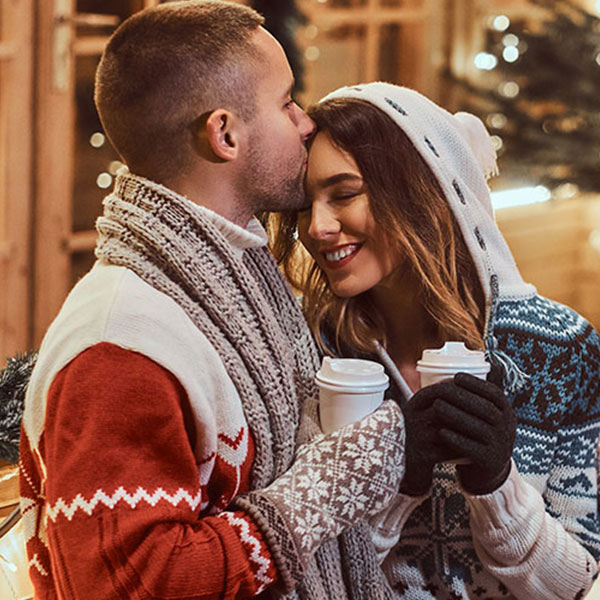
(339, 254)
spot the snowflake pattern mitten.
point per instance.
(337, 480)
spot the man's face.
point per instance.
(276, 153)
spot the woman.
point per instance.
(499, 499)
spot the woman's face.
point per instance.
(339, 230)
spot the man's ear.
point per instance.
(223, 133)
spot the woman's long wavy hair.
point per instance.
(417, 222)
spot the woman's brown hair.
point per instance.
(409, 204)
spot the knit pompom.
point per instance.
(474, 131)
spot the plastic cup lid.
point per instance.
(352, 372)
(453, 355)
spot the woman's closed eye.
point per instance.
(344, 197)
(346, 194)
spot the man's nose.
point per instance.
(306, 126)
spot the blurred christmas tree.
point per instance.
(539, 94)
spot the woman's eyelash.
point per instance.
(347, 196)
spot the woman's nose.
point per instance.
(323, 223)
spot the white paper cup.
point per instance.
(443, 363)
(349, 390)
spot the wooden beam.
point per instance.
(90, 45)
(54, 174)
(95, 20)
(82, 241)
(16, 107)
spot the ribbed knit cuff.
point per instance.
(524, 547)
(507, 514)
(281, 542)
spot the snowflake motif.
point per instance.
(317, 453)
(364, 453)
(394, 467)
(313, 481)
(309, 528)
(352, 498)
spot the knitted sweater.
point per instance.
(538, 536)
(125, 388)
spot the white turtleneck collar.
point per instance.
(253, 236)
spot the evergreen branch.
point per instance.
(13, 385)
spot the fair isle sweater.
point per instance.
(537, 537)
(134, 443)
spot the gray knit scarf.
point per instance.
(249, 314)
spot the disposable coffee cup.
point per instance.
(349, 390)
(443, 363)
(438, 364)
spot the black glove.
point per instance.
(424, 448)
(479, 424)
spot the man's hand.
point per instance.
(477, 423)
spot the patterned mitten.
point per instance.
(479, 424)
(337, 480)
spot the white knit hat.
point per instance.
(459, 151)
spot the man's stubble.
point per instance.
(268, 185)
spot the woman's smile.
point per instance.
(339, 256)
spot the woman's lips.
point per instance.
(340, 256)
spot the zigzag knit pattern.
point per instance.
(558, 410)
(68, 509)
(254, 548)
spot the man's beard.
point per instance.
(271, 188)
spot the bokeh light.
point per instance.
(97, 139)
(104, 180)
(485, 61)
(509, 89)
(501, 23)
(510, 54)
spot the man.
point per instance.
(162, 453)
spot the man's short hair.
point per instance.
(164, 68)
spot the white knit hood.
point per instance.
(459, 152)
(444, 141)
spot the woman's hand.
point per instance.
(476, 421)
(424, 447)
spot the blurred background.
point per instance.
(529, 68)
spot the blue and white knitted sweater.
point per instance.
(538, 536)
(558, 412)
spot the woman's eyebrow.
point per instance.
(337, 178)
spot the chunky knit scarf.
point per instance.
(248, 312)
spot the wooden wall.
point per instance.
(16, 31)
(557, 248)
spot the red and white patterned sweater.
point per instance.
(134, 443)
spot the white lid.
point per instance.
(352, 372)
(453, 355)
